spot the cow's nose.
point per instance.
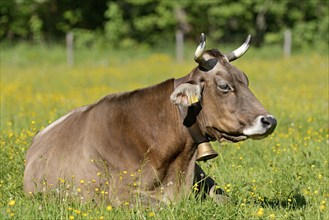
(269, 122)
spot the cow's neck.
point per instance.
(146, 132)
(157, 124)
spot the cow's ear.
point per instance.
(186, 94)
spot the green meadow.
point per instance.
(284, 176)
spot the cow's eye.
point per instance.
(225, 87)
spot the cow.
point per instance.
(143, 145)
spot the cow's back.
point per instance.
(58, 152)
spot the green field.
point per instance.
(285, 176)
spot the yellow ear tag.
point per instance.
(194, 99)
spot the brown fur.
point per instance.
(133, 131)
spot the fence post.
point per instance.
(179, 45)
(69, 48)
(182, 28)
(287, 43)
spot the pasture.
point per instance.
(285, 176)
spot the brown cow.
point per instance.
(143, 144)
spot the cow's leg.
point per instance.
(206, 186)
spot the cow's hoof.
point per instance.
(221, 199)
(219, 195)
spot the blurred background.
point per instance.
(165, 24)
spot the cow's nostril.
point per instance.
(265, 121)
(269, 121)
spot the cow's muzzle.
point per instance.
(262, 126)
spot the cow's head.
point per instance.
(228, 109)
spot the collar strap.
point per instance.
(189, 122)
(204, 150)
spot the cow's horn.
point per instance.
(240, 51)
(200, 49)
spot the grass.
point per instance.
(282, 177)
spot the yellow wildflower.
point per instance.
(260, 212)
(151, 214)
(12, 202)
(109, 208)
(61, 180)
(323, 205)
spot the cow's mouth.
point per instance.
(215, 134)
